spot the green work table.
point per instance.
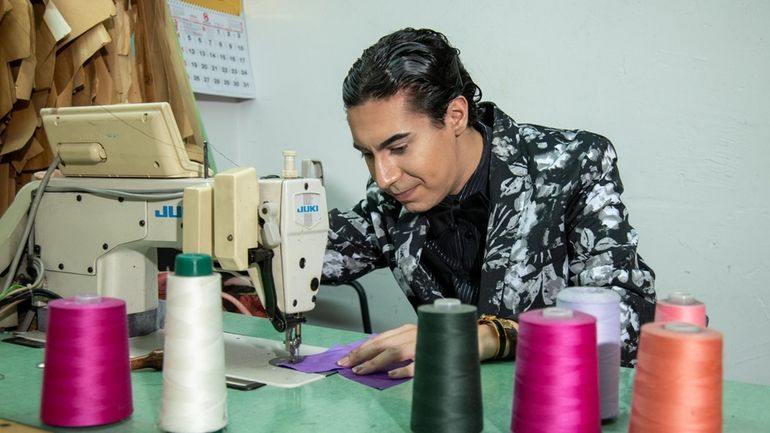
(331, 404)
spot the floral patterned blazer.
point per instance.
(555, 220)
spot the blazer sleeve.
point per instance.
(603, 245)
(353, 248)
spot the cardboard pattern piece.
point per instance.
(62, 53)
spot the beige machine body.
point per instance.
(129, 189)
(107, 245)
(91, 243)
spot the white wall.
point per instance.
(680, 87)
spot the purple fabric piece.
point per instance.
(379, 380)
(325, 362)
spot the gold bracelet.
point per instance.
(506, 331)
(502, 340)
(511, 330)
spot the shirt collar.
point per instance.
(480, 177)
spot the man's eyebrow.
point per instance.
(391, 139)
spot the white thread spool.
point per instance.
(604, 304)
(289, 168)
(194, 387)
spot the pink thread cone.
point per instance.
(87, 375)
(556, 386)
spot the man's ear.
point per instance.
(456, 116)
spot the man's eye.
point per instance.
(398, 150)
(366, 155)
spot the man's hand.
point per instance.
(400, 344)
(383, 350)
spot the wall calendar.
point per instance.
(215, 50)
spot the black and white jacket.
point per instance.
(555, 220)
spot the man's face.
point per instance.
(407, 155)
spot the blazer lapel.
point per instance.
(511, 213)
(409, 234)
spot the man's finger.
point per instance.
(400, 373)
(379, 362)
(361, 354)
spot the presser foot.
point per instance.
(291, 344)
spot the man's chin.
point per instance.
(416, 207)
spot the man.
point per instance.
(464, 202)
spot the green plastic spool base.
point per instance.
(193, 265)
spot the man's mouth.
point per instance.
(404, 195)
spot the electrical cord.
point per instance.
(151, 195)
(236, 303)
(21, 294)
(30, 221)
(7, 309)
(13, 288)
(244, 279)
(37, 264)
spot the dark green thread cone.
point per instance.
(446, 394)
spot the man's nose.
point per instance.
(385, 172)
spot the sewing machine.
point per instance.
(129, 188)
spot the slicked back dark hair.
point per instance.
(420, 62)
